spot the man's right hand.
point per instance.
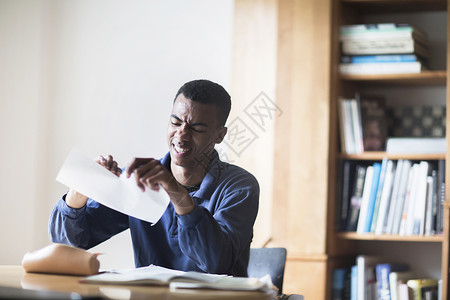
(75, 199)
(109, 163)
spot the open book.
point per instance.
(155, 275)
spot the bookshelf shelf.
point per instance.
(389, 237)
(380, 155)
(423, 78)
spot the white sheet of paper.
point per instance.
(86, 176)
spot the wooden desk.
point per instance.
(15, 276)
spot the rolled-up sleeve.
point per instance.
(85, 227)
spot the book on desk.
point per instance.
(156, 275)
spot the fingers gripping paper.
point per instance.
(119, 193)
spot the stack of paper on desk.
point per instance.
(119, 193)
(155, 275)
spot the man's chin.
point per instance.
(182, 161)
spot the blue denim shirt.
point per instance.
(214, 238)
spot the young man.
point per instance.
(208, 225)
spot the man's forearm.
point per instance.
(75, 199)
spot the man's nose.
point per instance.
(184, 132)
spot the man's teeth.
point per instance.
(180, 149)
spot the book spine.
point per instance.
(377, 35)
(351, 126)
(338, 283)
(435, 204)
(416, 145)
(387, 228)
(378, 58)
(406, 204)
(354, 283)
(423, 288)
(441, 194)
(393, 285)
(379, 47)
(385, 198)
(383, 29)
(357, 128)
(373, 195)
(344, 195)
(382, 271)
(361, 265)
(376, 27)
(376, 207)
(342, 125)
(380, 68)
(429, 207)
(401, 196)
(365, 199)
(420, 200)
(356, 199)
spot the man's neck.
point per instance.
(188, 176)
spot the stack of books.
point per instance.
(383, 48)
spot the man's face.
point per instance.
(193, 131)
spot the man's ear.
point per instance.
(221, 134)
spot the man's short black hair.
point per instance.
(208, 92)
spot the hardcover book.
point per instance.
(384, 164)
(385, 46)
(356, 198)
(417, 145)
(396, 280)
(389, 220)
(357, 59)
(373, 196)
(424, 289)
(345, 187)
(382, 31)
(379, 68)
(383, 271)
(339, 278)
(374, 122)
(365, 199)
(381, 220)
(366, 275)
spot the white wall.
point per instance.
(99, 75)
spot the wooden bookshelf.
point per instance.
(306, 136)
(347, 244)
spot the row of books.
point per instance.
(372, 279)
(366, 124)
(382, 48)
(391, 197)
(362, 124)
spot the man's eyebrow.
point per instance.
(175, 117)
(192, 124)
